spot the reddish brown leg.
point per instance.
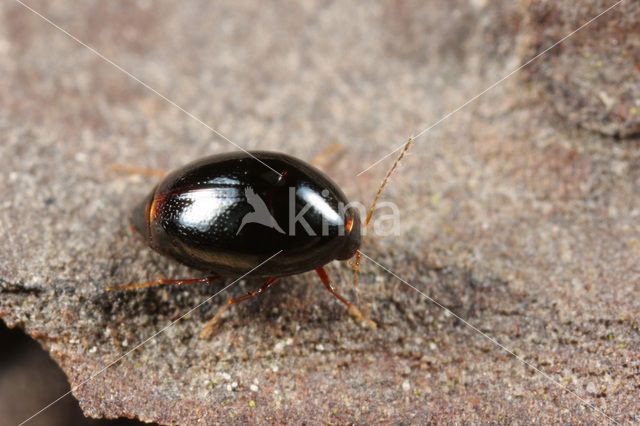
(163, 282)
(355, 265)
(354, 311)
(209, 328)
(328, 152)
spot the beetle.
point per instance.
(225, 214)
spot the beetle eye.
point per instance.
(349, 225)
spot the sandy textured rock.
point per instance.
(593, 79)
(519, 222)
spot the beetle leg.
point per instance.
(209, 328)
(327, 152)
(208, 279)
(355, 265)
(354, 311)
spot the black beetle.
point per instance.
(226, 213)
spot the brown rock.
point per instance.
(520, 224)
(593, 78)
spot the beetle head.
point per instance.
(352, 234)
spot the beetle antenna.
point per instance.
(356, 263)
(386, 180)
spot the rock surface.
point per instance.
(592, 80)
(511, 217)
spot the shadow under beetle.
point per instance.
(227, 213)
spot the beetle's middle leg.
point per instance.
(207, 280)
(209, 328)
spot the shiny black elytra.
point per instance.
(198, 214)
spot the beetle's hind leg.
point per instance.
(354, 311)
(207, 280)
(210, 327)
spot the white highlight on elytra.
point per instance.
(204, 203)
(316, 202)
